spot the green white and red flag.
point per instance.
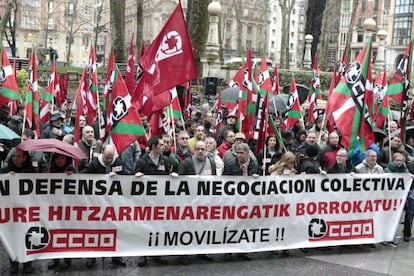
(49, 93)
(245, 93)
(399, 86)
(173, 111)
(9, 90)
(276, 83)
(32, 97)
(349, 105)
(90, 93)
(293, 113)
(315, 92)
(380, 88)
(79, 105)
(125, 122)
(263, 87)
(130, 70)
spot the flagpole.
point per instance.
(173, 127)
(322, 128)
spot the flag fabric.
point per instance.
(126, 125)
(169, 60)
(380, 87)
(293, 113)
(349, 105)
(62, 90)
(110, 75)
(315, 92)
(276, 85)
(32, 97)
(9, 89)
(343, 66)
(90, 91)
(46, 106)
(330, 122)
(173, 110)
(130, 70)
(245, 91)
(264, 90)
(399, 86)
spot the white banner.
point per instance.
(85, 215)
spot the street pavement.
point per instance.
(384, 259)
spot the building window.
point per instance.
(30, 14)
(403, 7)
(249, 30)
(402, 30)
(71, 8)
(274, 20)
(229, 26)
(85, 40)
(360, 37)
(272, 44)
(273, 32)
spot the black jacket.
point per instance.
(145, 165)
(233, 168)
(187, 166)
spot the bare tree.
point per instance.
(8, 26)
(286, 7)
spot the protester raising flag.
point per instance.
(126, 125)
(349, 109)
(293, 114)
(9, 90)
(315, 92)
(399, 86)
(169, 61)
(32, 98)
(49, 93)
(130, 70)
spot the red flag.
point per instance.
(244, 95)
(169, 60)
(62, 90)
(130, 70)
(32, 97)
(276, 85)
(90, 89)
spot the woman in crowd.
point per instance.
(285, 166)
(60, 163)
(273, 152)
(20, 163)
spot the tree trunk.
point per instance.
(198, 29)
(286, 7)
(117, 8)
(139, 37)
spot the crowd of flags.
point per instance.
(356, 104)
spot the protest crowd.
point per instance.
(203, 139)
